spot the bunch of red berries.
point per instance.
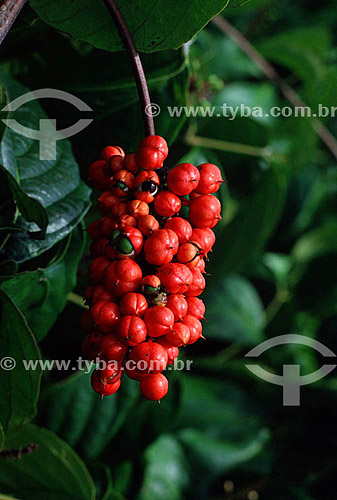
(148, 264)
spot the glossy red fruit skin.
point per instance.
(100, 247)
(122, 276)
(97, 292)
(205, 211)
(179, 336)
(148, 224)
(132, 330)
(111, 349)
(111, 373)
(97, 269)
(97, 176)
(126, 220)
(148, 357)
(91, 345)
(167, 204)
(181, 227)
(150, 284)
(109, 151)
(210, 179)
(140, 185)
(134, 375)
(175, 277)
(189, 254)
(172, 351)
(204, 238)
(136, 208)
(198, 284)
(196, 307)
(136, 239)
(101, 388)
(105, 315)
(133, 304)
(178, 305)
(161, 246)
(130, 163)
(201, 266)
(114, 164)
(183, 179)
(107, 225)
(154, 387)
(194, 326)
(152, 152)
(159, 320)
(126, 179)
(94, 230)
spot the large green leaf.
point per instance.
(42, 295)
(19, 388)
(48, 187)
(234, 312)
(52, 472)
(74, 411)
(242, 240)
(166, 470)
(155, 25)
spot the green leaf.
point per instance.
(319, 241)
(51, 472)
(42, 295)
(19, 388)
(234, 312)
(2, 437)
(152, 25)
(243, 239)
(74, 411)
(51, 187)
(166, 470)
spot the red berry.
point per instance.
(183, 179)
(205, 211)
(167, 204)
(109, 151)
(137, 208)
(123, 276)
(175, 277)
(97, 269)
(128, 243)
(126, 220)
(178, 305)
(161, 246)
(150, 284)
(194, 326)
(99, 248)
(130, 163)
(95, 293)
(114, 164)
(111, 373)
(91, 345)
(147, 224)
(132, 330)
(196, 307)
(98, 177)
(146, 185)
(159, 320)
(152, 152)
(181, 227)
(210, 179)
(189, 254)
(111, 349)
(103, 389)
(154, 386)
(133, 374)
(133, 304)
(148, 357)
(179, 336)
(110, 204)
(123, 183)
(201, 266)
(205, 239)
(94, 230)
(198, 284)
(105, 315)
(87, 323)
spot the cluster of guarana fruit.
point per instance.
(148, 263)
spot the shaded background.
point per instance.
(221, 433)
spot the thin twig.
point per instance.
(287, 91)
(9, 11)
(136, 64)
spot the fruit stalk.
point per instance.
(136, 64)
(9, 11)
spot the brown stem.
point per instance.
(136, 64)
(9, 11)
(287, 91)
(16, 453)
